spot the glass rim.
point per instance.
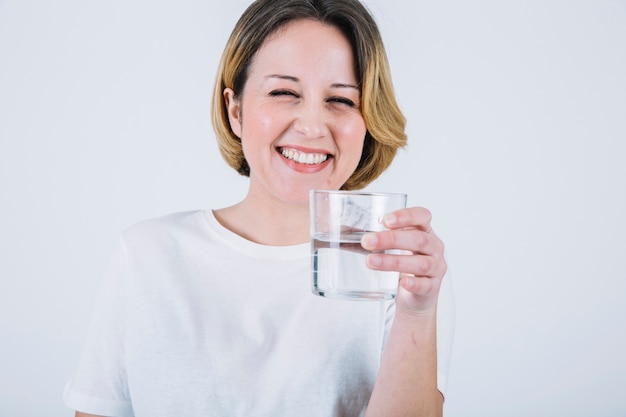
(358, 193)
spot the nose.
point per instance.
(311, 121)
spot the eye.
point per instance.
(277, 93)
(342, 100)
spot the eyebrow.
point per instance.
(296, 79)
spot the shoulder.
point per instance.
(168, 228)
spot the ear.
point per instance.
(234, 111)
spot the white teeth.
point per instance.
(304, 158)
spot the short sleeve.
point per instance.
(99, 385)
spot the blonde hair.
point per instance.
(384, 121)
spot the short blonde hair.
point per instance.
(384, 121)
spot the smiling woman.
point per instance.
(384, 121)
(300, 103)
(210, 312)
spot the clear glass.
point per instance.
(338, 221)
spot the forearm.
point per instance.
(407, 381)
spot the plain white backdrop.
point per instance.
(517, 126)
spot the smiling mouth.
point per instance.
(304, 157)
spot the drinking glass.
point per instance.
(339, 219)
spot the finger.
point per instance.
(418, 285)
(417, 217)
(413, 240)
(417, 265)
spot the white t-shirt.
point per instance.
(194, 320)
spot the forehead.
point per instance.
(306, 42)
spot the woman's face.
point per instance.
(299, 115)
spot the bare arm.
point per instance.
(406, 385)
(407, 381)
(79, 414)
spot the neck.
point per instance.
(267, 221)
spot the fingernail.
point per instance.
(408, 282)
(374, 260)
(391, 219)
(369, 241)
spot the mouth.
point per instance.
(306, 158)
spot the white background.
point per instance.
(517, 125)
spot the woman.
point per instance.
(210, 313)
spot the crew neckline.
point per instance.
(252, 248)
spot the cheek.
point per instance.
(265, 114)
(353, 133)
(259, 125)
(265, 120)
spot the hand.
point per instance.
(421, 269)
